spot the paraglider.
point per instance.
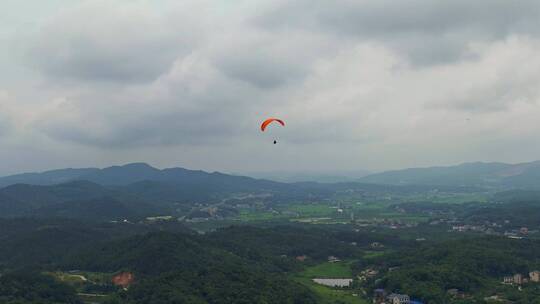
(268, 122)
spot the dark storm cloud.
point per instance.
(428, 31)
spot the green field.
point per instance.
(313, 210)
(450, 198)
(327, 212)
(248, 215)
(93, 299)
(85, 277)
(299, 212)
(326, 294)
(409, 218)
(80, 280)
(373, 254)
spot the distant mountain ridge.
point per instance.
(129, 190)
(77, 199)
(336, 176)
(138, 189)
(118, 175)
(50, 177)
(477, 174)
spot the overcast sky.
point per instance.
(374, 85)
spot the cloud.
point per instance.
(504, 74)
(428, 32)
(100, 41)
(192, 104)
(5, 111)
(363, 84)
(267, 60)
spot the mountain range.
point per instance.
(477, 174)
(130, 190)
(310, 176)
(114, 175)
(141, 175)
(137, 190)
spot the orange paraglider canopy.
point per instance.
(269, 121)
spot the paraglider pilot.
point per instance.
(269, 121)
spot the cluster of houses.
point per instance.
(381, 297)
(384, 223)
(485, 227)
(491, 229)
(123, 279)
(519, 233)
(376, 245)
(518, 278)
(367, 274)
(302, 258)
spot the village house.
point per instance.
(460, 228)
(377, 245)
(123, 279)
(452, 292)
(390, 269)
(396, 298)
(508, 280)
(379, 296)
(301, 258)
(333, 259)
(370, 272)
(455, 293)
(534, 276)
(519, 279)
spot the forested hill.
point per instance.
(234, 265)
(133, 173)
(478, 174)
(139, 190)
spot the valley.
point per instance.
(118, 242)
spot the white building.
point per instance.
(535, 276)
(333, 259)
(508, 280)
(334, 282)
(396, 298)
